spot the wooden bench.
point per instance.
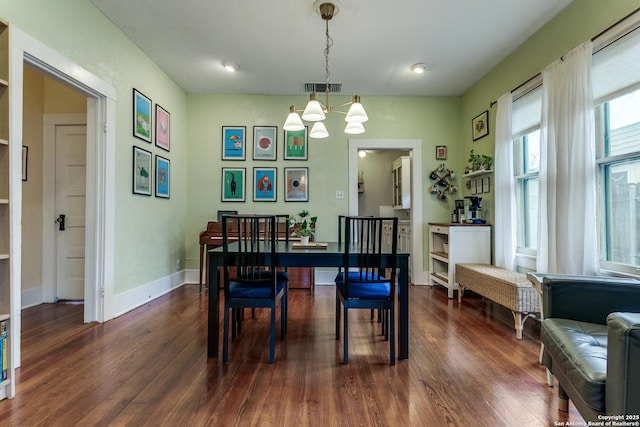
(508, 288)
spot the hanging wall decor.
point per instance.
(441, 184)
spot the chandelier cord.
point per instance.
(326, 60)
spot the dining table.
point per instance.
(329, 254)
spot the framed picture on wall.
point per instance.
(141, 116)
(296, 181)
(234, 142)
(441, 152)
(163, 131)
(295, 144)
(265, 142)
(163, 177)
(480, 125)
(233, 184)
(264, 184)
(141, 171)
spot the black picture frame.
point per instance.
(142, 172)
(265, 143)
(163, 177)
(142, 116)
(163, 128)
(480, 125)
(296, 184)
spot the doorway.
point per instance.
(414, 146)
(100, 182)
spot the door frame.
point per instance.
(101, 131)
(415, 147)
(50, 123)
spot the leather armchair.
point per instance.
(591, 337)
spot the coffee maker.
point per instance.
(473, 210)
(458, 214)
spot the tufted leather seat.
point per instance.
(581, 355)
(591, 337)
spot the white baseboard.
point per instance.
(127, 301)
(31, 297)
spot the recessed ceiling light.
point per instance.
(418, 68)
(229, 66)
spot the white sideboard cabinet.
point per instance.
(450, 244)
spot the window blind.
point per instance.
(616, 64)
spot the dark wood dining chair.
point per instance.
(249, 260)
(367, 284)
(341, 219)
(282, 234)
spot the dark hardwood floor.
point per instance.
(149, 367)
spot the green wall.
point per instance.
(152, 234)
(434, 120)
(149, 232)
(578, 22)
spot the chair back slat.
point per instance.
(364, 242)
(254, 237)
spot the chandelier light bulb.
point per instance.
(356, 113)
(293, 121)
(354, 128)
(313, 112)
(318, 131)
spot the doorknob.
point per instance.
(60, 221)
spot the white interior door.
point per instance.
(71, 155)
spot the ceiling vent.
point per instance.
(321, 87)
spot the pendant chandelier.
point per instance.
(315, 111)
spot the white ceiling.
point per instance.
(278, 45)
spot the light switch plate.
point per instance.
(339, 194)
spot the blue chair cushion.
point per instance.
(366, 290)
(253, 288)
(355, 275)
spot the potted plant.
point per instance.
(303, 225)
(487, 162)
(475, 160)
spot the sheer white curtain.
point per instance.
(567, 239)
(505, 194)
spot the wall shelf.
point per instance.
(477, 173)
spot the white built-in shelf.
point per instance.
(477, 173)
(4, 142)
(4, 316)
(442, 256)
(4, 201)
(440, 278)
(466, 243)
(3, 82)
(4, 256)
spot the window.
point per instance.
(616, 89)
(527, 164)
(618, 138)
(525, 127)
